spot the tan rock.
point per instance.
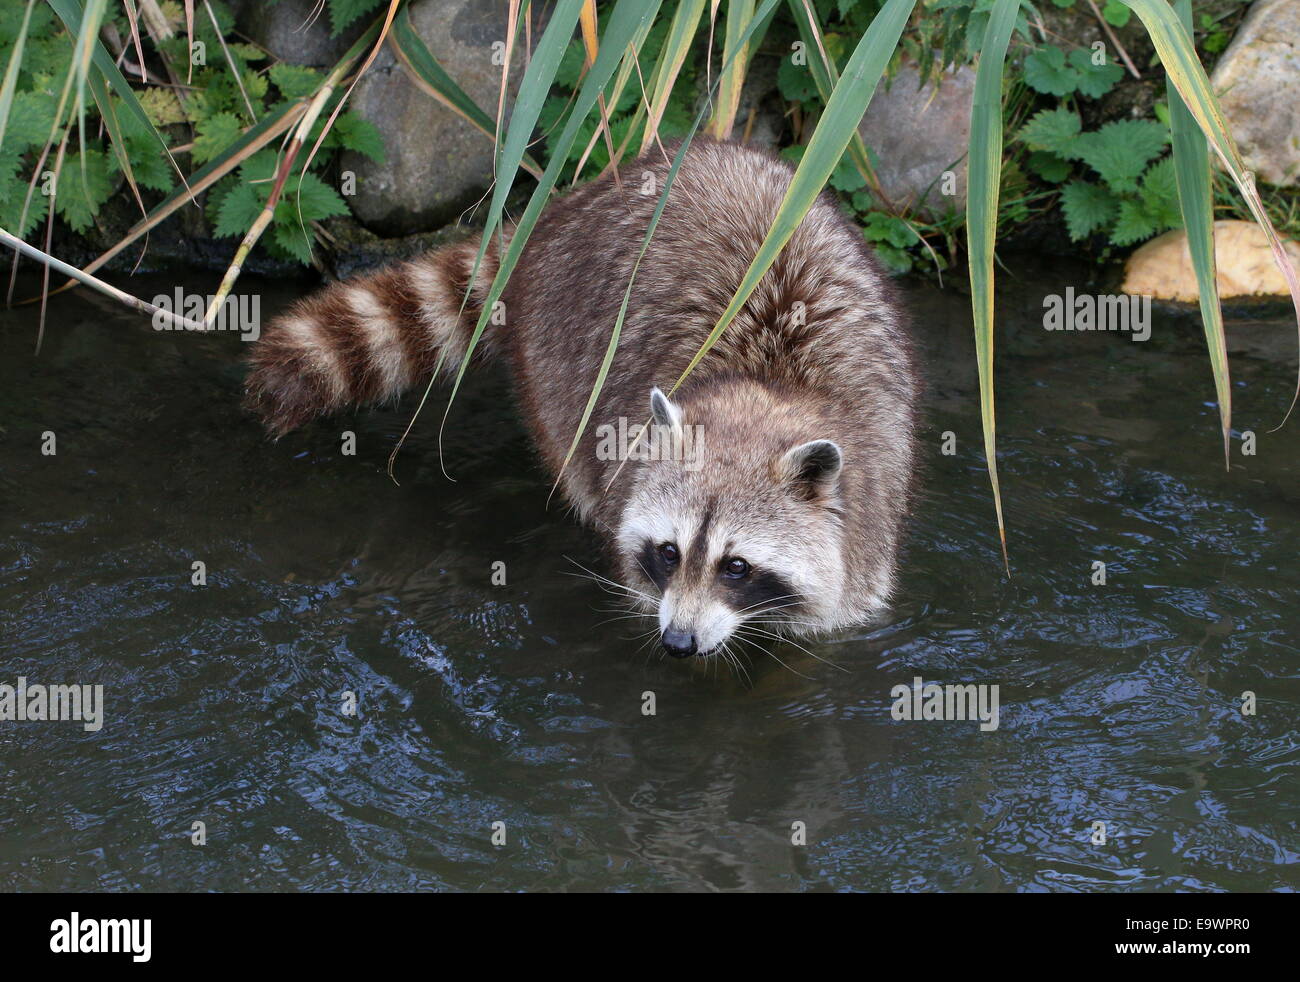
(1162, 268)
(1256, 80)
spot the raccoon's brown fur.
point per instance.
(817, 361)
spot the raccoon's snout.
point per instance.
(679, 644)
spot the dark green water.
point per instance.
(479, 704)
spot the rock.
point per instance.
(1162, 268)
(1256, 80)
(291, 33)
(437, 163)
(918, 133)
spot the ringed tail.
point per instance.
(369, 339)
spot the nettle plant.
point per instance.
(1109, 182)
(206, 90)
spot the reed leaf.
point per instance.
(538, 78)
(623, 24)
(677, 46)
(1174, 45)
(825, 77)
(10, 83)
(603, 371)
(984, 176)
(626, 68)
(736, 54)
(1191, 151)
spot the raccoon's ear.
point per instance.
(813, 469)
(663, 411)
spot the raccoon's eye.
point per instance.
(737, 569)
(669, 553)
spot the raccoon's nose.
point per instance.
(679, 644)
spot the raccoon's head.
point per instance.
(740, 526)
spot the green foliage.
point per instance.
(229, 91)
(1116, 13)
(1050, 71)
(244, 194)
(1131, 198)
(83, 185)
(623, 117)
(344, 13)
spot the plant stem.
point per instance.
(143, 306)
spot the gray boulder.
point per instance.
(917, 133)
(291, 33)
(437, 163)
(1257, 80)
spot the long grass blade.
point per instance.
(677, 46)
(1174, 45)
(1195, 199)
(591, 46)
(536, 83)
(10, 83)
(984, 177)
(623, 24)
(739, 15)
(610, 349)
(825, 78)
(81, 276)
(628, 65)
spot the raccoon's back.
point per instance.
(823, 317)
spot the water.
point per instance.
(480, 704)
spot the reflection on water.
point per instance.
(522, 703)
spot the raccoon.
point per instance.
(778, 498)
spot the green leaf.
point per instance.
(1159, 193)
(1088, 207)
(796, 82)
(1116, 13)
(215, 134)
(238, 209)
(84, 184)
(896, 260)
(984, 182)
(1134, 224)
(880, 227)
(291, 238)
(354, 132)
(1191, 156)
(1094, 81)
(295, 81)
(1053, 130)
(570, 71)
(1120, 151)
(846, 176)
(316, 198)
(30, 120)
(344, 12)
(1049, 166)
(13, 191)
(1046, 71)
